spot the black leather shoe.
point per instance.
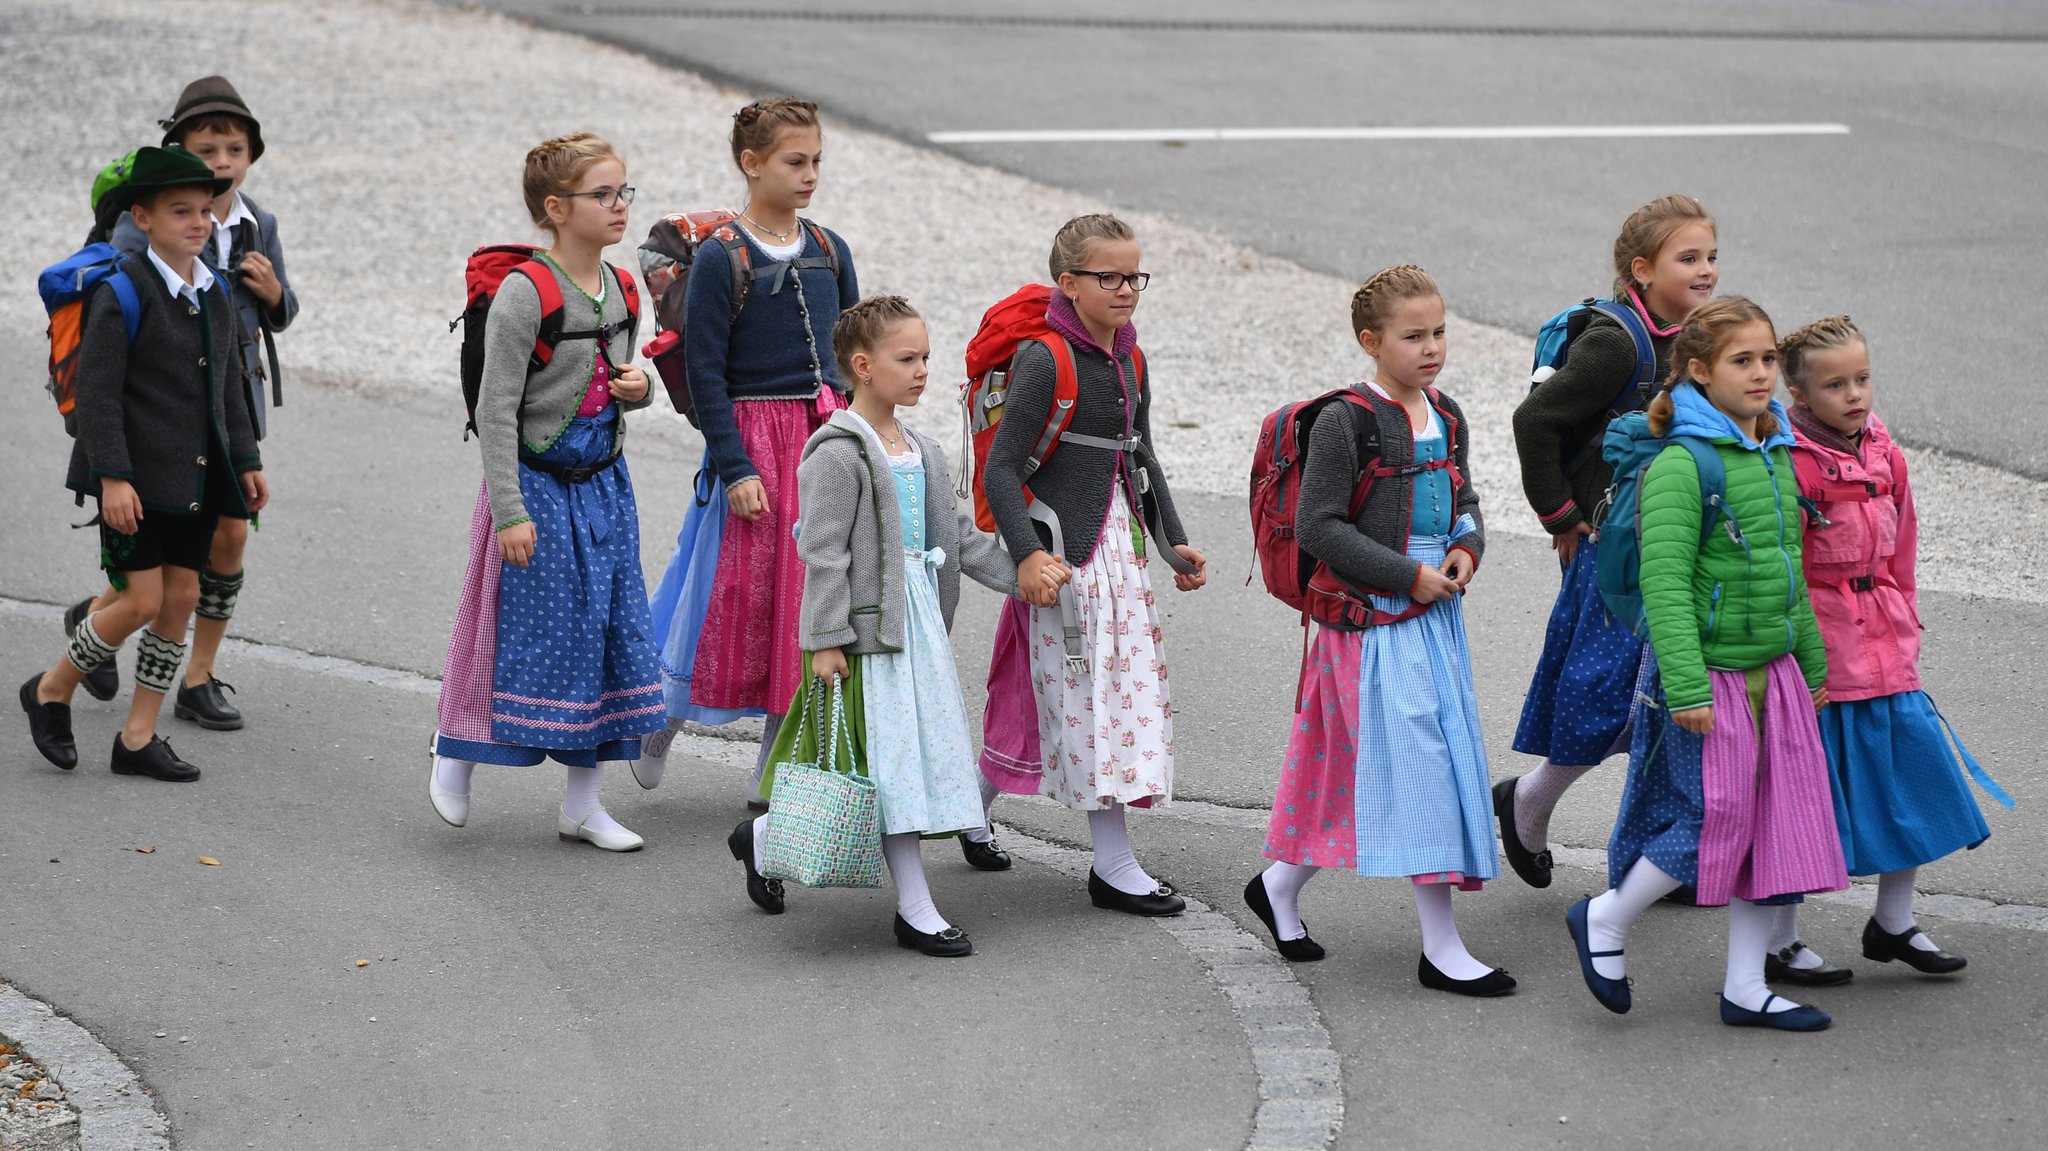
(1884, 947)
(103, 682)
(952, 943)
(207, 707)
(1778, 968)
(766, 893)
(1303, 950)
(1488, 986)
(154, 759)
(1532, 866)
(984, 856)
(49, 724)
(1161, 900)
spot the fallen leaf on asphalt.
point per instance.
(362, 963)
(146, 849)
(209, 861)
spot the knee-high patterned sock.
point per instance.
(88, 652)
(1536, 796)
(913, 895)
(217, 595)
(157, 661)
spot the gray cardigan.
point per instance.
(1372, 552)
(515, 406)
(850, 537)
(161, 411)
(1076, 481)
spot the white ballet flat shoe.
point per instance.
(571, 831)
(648, 768)
(656, 746)
(452, 807)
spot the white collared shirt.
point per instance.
(202, 278)
(224, 232)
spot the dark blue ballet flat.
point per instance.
(1613, 994)
(1800, 1018)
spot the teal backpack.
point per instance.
(1629, 448)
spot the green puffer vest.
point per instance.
(1727, 605)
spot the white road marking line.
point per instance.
(1447, 132)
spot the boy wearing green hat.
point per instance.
(166, 445)
(213, 122)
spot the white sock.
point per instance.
(1749, 931)
(1284, 882)
(580, 799)
(1894, 910)
(1114, 861)
(1536, 796)
(984, 833)
(905, 857)
(453, 774)
(771, 725)
(761, 837)
(1440, 940)
(1785, 933)
(1613, 912)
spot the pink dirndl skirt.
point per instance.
(468, 673)
(747, 655)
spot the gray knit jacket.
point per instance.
(1075, 482)
(160, 411)
(514, 406)
(1372, 552)
(850, 537)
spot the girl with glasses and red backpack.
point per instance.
(1078, 483)
(552, 655)
(758, 311)
(1385, 772)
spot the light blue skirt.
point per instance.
(683, 597)
(920, 752)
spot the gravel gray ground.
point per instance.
(391, 156)
(33, 1113)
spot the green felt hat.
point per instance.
(157, 168)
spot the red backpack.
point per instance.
(1296, 578)
(1015, 320)
(487, 268)
(665, 259)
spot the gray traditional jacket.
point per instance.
(850, 536)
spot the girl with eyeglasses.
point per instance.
(763, 378)
(1105, 719)
(552, 655)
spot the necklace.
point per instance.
(781, 237)
(894, 441)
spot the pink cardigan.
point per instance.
(1859, 569)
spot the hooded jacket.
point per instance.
(850, 537)
(1739, 601)
(1859, 568)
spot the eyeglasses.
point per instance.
(1111, 281)
(606, 197)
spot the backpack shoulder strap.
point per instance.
(126, 296)
(1365, 426)
(1066, 391)
(739, 261)
(550, 292)
(825, 241)
(1706, 459)
(1646, 352)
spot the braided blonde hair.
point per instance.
(1372, 305)
(862, 326)
(1705, 334)
(554, 168)
(1824, 334)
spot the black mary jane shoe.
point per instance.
(1491, 985)
(1884, 947)
(103, 682)
(952, 943)
(1532, 866)
(1779, 968)
(984, 856)
(49, 725)
(1159, 902)
(154, 759)
(1303, 950)
(766, 893)
(207, 707)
